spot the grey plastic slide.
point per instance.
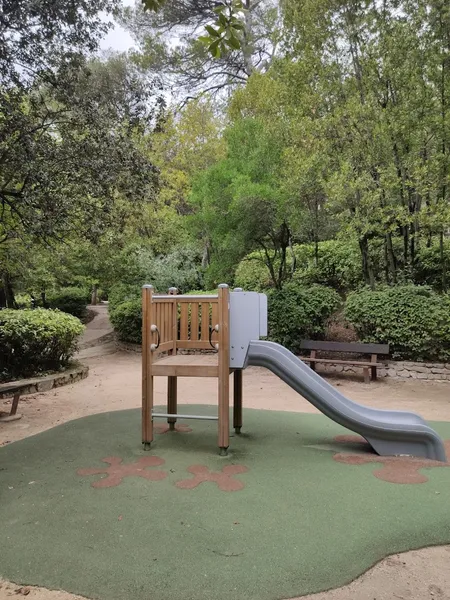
(389, 432)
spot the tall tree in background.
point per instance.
(169, 44)
(68, 128)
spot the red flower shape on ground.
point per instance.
(117, 471)
(394, 469)
(223, 478)
(181, 428)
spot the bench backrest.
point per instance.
(357, 348)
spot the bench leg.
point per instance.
(237, 400)
(172, 401)
(312, 365)
(373, 370)
(366, 374)
(13, 416)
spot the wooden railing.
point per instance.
(182, 322)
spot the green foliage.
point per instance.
(23, 300)
(297, 313)
(122, 292)
(70, 300)
(413, 320)
(137, 265)
(126, 318)
(252, 273)
(338, 265)
(35, 341)
(428, 267)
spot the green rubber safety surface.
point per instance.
(277, 518)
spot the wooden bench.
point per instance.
(369, 367)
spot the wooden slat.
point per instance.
(195, 306)
(184, 323)
(215, 316)
(194, 344)
(345, 347)
(174, 327)
(161, 323)
(205, 321)
(167, 331)
(185, 370)
(156, 313)
(189, 299)
(163, 347)
(340, 362)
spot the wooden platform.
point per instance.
(187, 365)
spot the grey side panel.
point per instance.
(389, 432)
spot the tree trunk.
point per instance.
(94, 296)
(391, 262)
(366, 263)
(443, 262)
(8, 291)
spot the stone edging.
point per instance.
(394, 369)
(44, 384)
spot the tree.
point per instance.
(230, 55)
(34, 37)
(240, 203)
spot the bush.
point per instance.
(72, 300)
(297, 313)
(339, 267)
(413, 320)
(122, 292)
(23, 300)
(252, 273)
(33, 341)
(127, 321)
(428, 267)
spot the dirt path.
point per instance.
(114, 384)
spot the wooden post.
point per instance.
(373, 369)
(237, 400)
(224, 368)
(172, 401)
(172, 382)
(312, 364)
(366, 374)
(147, 377)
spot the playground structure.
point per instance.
(232, 323)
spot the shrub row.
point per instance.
(413, 320)
(71, 300)
(35, 341)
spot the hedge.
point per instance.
(71, 300)
(35, 341)
(298, 312)
(413, 320)
(126, 319)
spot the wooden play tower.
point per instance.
(171, 323)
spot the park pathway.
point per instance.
(98, 337)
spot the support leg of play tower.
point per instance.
(224, 370)
(147, 378)
(172, 401)
(237, 400)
